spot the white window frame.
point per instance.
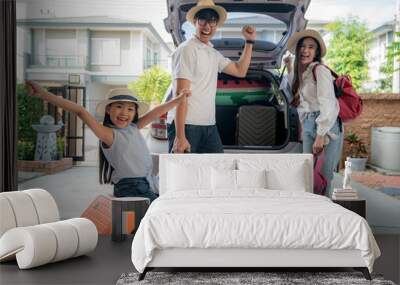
(156, 58)
(113, 61)
(148, 63)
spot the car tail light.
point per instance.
(159, 128)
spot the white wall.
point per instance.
(373, 59)
(127, 58)
(164, 56)
(136, 62)
(39, 46)
(376, 57)
(61, 42)
(21, 9)
(23, 49)
(165, 59)
(82, 48)
(61, 48)
(95, 92)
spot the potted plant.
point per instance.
(356, 151)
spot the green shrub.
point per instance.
(26, 150)
(30, 110)
(152, 84)
(60, 147)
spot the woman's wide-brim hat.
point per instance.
(207, 4)
(121, 95)
(294, 39)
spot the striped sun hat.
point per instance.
(121, 95)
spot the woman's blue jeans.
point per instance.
(332, 151)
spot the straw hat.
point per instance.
(294, 39)
(206, 4)
(121, 95)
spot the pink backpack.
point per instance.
(350, 104)
(320, 182)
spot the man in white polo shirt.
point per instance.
(195, 66)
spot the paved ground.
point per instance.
(379, 181)
(24, 176)
(374, 179)
(73, 189)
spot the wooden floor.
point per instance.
(102, 266)
(110, 259)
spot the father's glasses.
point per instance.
(211, 22)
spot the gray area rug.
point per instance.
(243, 278)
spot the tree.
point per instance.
(392, 55)
(347, 49)
(152, 84)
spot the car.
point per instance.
(253, 114)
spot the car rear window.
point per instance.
(269, 29)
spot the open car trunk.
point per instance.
(275, 21)
(251, 112)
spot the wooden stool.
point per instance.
(120, 205)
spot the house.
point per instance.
(383, 37)
(82, 58)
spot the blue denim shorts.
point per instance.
(134, 187)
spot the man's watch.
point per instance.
(250, 42)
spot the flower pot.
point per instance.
(357, 163)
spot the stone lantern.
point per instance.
(46, 142)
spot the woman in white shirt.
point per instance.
(315, 99)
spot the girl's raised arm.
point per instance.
(104, 134)
(162, 109)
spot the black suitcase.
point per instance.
(256, 125)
